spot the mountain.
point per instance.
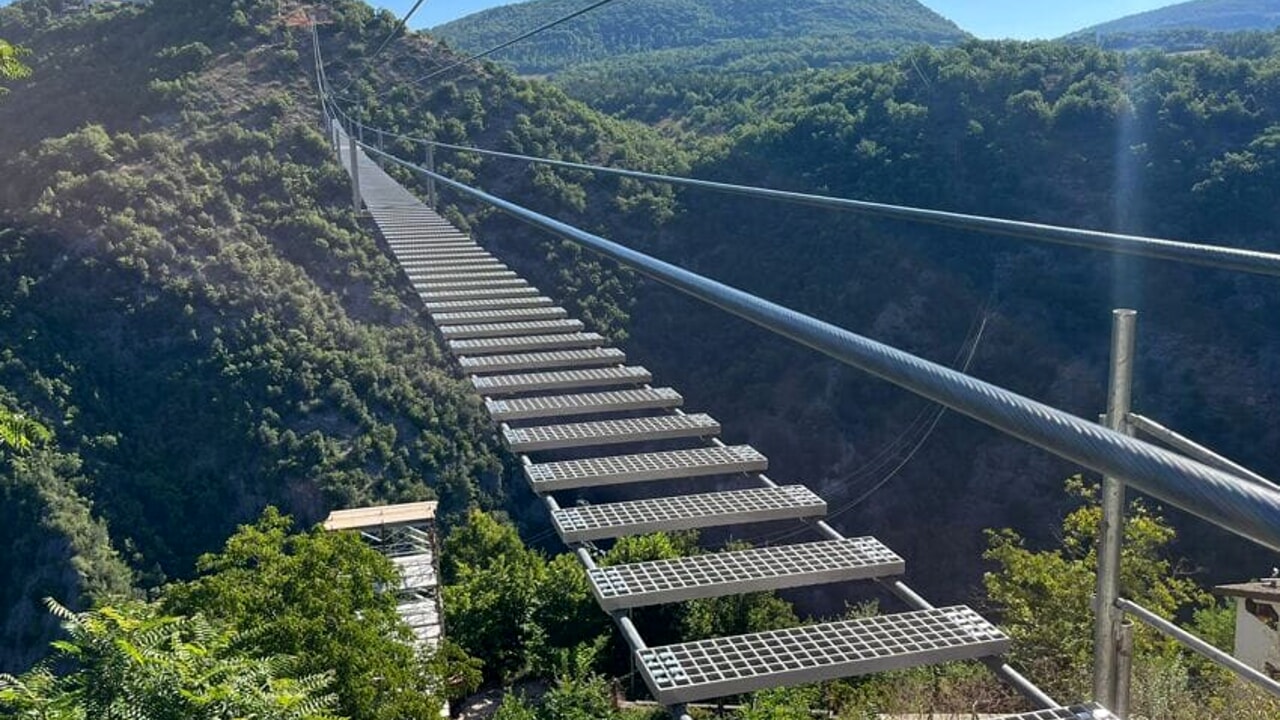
(1211, 16)
(190, 305)
(627, 29)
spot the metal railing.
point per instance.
(1229, 258)
(1221, 498)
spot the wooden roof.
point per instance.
(381, 516)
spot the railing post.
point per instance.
(1111, 537)
(1124, 666)
(430, 163)
(355, 174)
(381, 148)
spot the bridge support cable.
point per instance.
(679, 673)
(1215, 256)
(1221, 498)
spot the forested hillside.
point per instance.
(191, 307)
(1175, 146)
(761, 34)
(1212, 15)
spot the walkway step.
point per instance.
(593, 357)
(686, 512)
(583, 404)
(497, 385)
(436, 295)
(497, 316)
(1079, 712)
(644, 467)
(493, 346)
(690, 672)
(508, 329)
(440, 267)
(450, 278)
(610, 432)
(743, 571)
(470, 284)
(499, 303)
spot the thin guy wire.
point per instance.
(506, 44)
(404, 21)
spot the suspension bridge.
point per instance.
(581, 415)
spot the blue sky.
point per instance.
(985, 18)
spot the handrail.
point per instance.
(1199, 646)
(1248, 510)
(1216, 256)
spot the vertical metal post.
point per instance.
(431, 181)
(1106, 614)
(360, 131)
(381, 148)
(1124, 667)
(355, 174)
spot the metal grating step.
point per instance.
(440, 267)
(583, 404)
(469, 284)
(686, 512)
(743, 571)
(1079, 712)
(464, 252)
(448, 278)
(609, 432)
(488, 304)
(435, 295)
(694, 671)
(594, 357)
(644, 467)
(493, 346)
(497, 385)
(507, 329)
(497, 316)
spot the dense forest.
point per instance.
(710, 33)
(1212, 15)
(196, 327)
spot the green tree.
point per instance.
(1044, 596)
(11, 65)
(20, 433)
(129, 662)
(315, 596)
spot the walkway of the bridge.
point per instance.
(582, 418)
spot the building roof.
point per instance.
(1268, 590)
(381, 516)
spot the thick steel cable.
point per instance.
(506, 44)
(1216, 256)
(1220, 498)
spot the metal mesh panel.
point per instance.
(489, 346)
(686, 512)
(429, 266)
(561, 380)
(496, 303)
(465, 279)
(644, 467)
(606, 432)
(501, 329)
(583, 404)
(1079, 712)
(476, 294)
(745, 571)
(744, 663)
(416, 571)
(541, 360)
(469, 284)
(503, 315)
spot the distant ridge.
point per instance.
(1207, 15)
(632, 28)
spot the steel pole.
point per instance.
(431, 181)
(1193, 449)
(1124, 667)
(354, 156)
(1111, 534)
